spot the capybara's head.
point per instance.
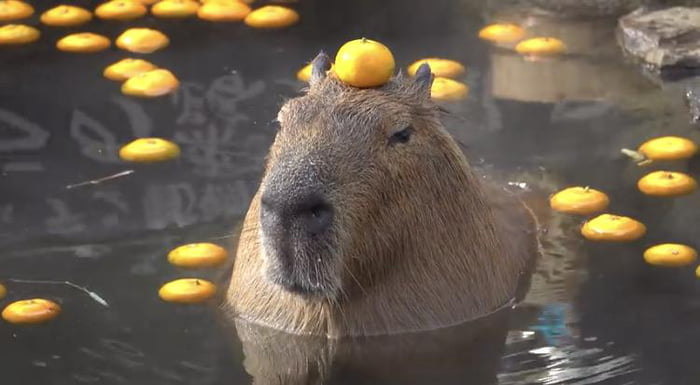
(352, 177)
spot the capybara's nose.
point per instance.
(309, 211)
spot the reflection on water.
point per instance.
(470, 351)
(595, 313)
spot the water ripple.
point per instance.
(557, 365)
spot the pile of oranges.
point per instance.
(140, 78)
(660, 183)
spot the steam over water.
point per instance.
(597, 314)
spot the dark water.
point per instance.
(596, 314)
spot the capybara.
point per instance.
(369, 220)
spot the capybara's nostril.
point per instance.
(309, 212)
(318, 218)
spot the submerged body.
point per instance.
(369, 220)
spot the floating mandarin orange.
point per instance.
(667, 184)
(142, 40)
(195, 255)
(149, 150)
(440, 67)
(697, 272)
(11, 10)
(445, 89)
(502, 33)
(609, 227)
(304, 74)
(579, 200)
(127, 68)
(670, 254)
(121, 10)
(31, 311)
(668, 148)
(541, 46)
(223, 11)
(187, 290)
(83, 42)
(66, 16)
(272, 17)
(364, 63)
(15, 34)
(151, 84)
(175, 8)
(3, 291)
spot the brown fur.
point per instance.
(422, 243)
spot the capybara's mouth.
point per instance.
(303, 287)
(297, 267)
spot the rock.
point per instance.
(666, 39)
(567, 9)
(586, 8)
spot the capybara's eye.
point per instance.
(401, 136)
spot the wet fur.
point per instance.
(421, 242)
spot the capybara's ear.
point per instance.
(424, 80)
(319, 66)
